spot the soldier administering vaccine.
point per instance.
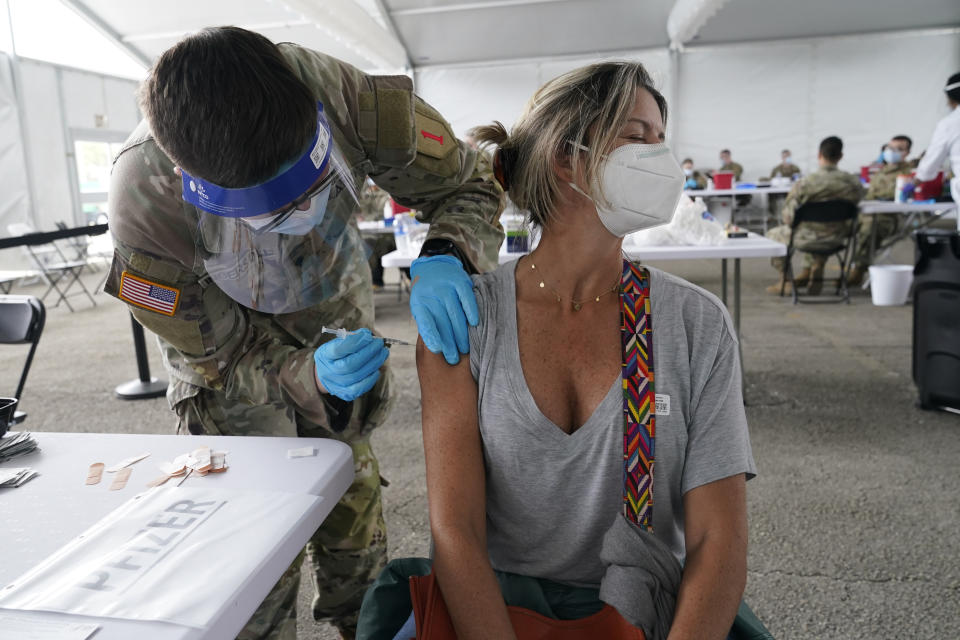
(231, 207)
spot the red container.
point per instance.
(398, 208)
(865, 174)
(723, 180)
(930, 189)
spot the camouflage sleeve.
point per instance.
(208, 340)
(418, 160)
(881, 187)
(700, 179)
(794, 199)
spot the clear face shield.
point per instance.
(272, 247)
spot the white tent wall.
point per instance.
(469, 95)
(61, 105)
(14, 193)
(48, 151)
(759, 98)
(754, 98)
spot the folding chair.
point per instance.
(10, 278)
(78, 246)
(55, 268)
(844, 248)
(21, 322)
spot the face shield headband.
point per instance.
(275, 193)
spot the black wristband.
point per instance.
(444, 247)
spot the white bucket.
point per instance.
(890, 284)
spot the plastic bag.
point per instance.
(692, 224)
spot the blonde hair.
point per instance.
(585, 107)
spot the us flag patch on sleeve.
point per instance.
(148, 295)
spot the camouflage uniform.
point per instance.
(237, 371)
(775, 200)
(700, 179)
(735, 167)
(827, 183)
(883, 184)
(785, 170)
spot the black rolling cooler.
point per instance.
(936, 318)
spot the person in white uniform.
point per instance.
(945, 142)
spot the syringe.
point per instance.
(343, 333)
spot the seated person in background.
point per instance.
(694, 179)
(882, 186)
(727, 164)
(895, 162)
(524, 441)
(879, 162)
(826, 183)
(786, 168)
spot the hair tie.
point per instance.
(504, 160)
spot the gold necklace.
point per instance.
(577, 304)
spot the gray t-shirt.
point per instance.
(551, 496)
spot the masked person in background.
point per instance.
(945, 142)
(882, 186)
(727, 164)
(231, 209)
(539, 462)
(786, 168)
(693, 179)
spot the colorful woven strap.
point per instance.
(639, 406)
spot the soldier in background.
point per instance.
(786, 168)
(727, 164)
(694, 179)
(827, 183)
(882, 186)
(232, 210)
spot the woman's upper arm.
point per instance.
(452, 446)
(717, 509)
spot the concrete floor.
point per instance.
(855, 513)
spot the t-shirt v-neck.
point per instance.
(511, 334)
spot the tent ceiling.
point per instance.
(740, 20)
(445, 32)
(146, 27)
(441, 32)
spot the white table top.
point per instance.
(735, 192)
(44, 514)
(886, 206)
(753, 246)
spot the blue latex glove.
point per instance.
(349, 367)
(690, 184)
(442, 303)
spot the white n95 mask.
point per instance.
(642, 183)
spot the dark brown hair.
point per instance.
(954, 94)
(226, 106)
(831, 148)
(905, 139)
